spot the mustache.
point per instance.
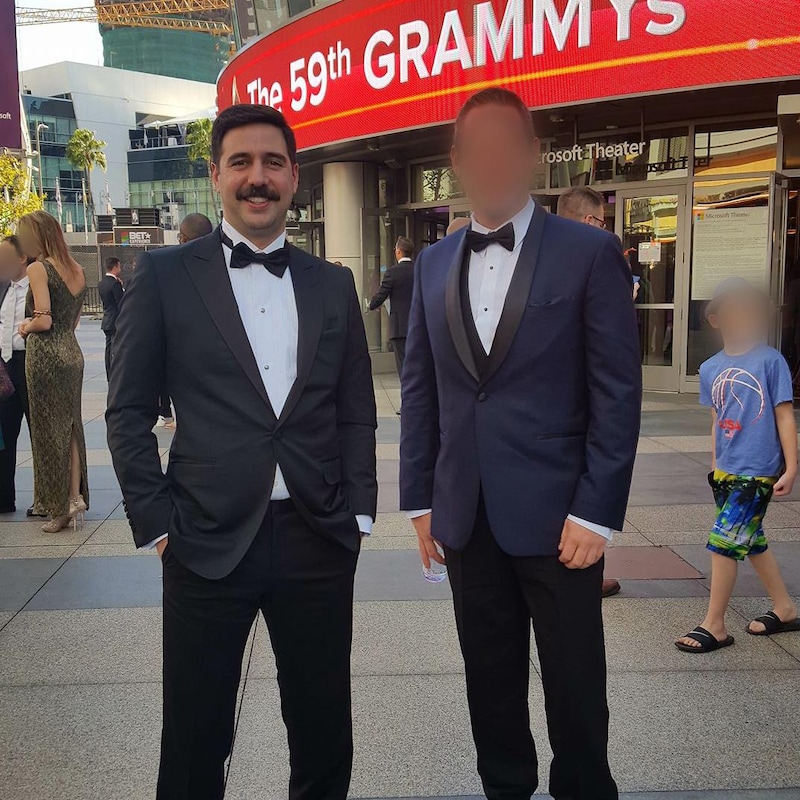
(259, 192)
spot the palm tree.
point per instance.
(85, 152)
(198, 137)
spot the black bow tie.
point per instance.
(480, 241)
(242, 256)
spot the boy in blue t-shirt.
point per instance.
(749, 389)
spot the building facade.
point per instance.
(687, 124)
(117, 106)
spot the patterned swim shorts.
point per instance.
(741, 504)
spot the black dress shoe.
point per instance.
(31, 513)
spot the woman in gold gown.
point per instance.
(54, 372)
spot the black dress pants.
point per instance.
(12, 410)
(496, 596)
(399, 348)
(303, 584)
(109, 356)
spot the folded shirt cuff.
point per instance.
(601, 530)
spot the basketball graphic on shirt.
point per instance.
(730, 387)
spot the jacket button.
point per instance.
(482, 396)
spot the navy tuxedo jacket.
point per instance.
(550, 427)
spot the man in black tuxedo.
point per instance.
(521, 400)
(397, 287)
(271, 478)
(111, 292)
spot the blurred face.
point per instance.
(182, 237)
(742, 319)
(12, 264)
(29, 242)
(256, 181)
(495, 159)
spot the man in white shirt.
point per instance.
(272, 473)
(13, 291)
(521, 395)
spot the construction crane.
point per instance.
(169, 14)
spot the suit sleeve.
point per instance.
(117, 293)
(136, 380)
(419, 436)
(356, 414)
(614, 378)
(385, 291)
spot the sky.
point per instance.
(38, 45)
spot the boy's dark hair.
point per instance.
(498, 97)
(112, 262)
(405, 246)
(242, 114)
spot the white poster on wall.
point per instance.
(726, 242)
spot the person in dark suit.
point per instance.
(272, 474)
(13, 291)
(111, 293)
(521, 399)
(396, 287)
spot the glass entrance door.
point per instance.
(650, 226)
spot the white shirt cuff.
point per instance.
(419, 513)
(151, 545)
(364, 524)
(601, 530)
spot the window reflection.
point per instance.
(619, 160)
(718, 152)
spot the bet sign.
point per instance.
(361, 67)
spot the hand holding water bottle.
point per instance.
(430, 551)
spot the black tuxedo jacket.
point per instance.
(398, 286)
(111, 293)
(548, 425)
(180, 324)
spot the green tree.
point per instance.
(85, 152)
(16, 197)
(198, 137)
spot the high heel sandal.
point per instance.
(77, 508)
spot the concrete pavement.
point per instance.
(80, 647)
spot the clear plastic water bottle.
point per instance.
(437, 572)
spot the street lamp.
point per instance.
(40, 127)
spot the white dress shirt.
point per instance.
(12, 315)
(490, 274)
(268, 310)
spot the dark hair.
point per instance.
(498, 97)
(112, 262)
(578, 201)
(15, 243)
(242, 114)
(405, 246)
(195, 225)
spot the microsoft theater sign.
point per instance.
(364, 67)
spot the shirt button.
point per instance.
(266, 366)
(491, 267)
(482, 396)
(485, 309)
(263, 310)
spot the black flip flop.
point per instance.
(708, 643)
(774, 624)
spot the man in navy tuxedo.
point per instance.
(521, 400)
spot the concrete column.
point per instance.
(343, 198)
